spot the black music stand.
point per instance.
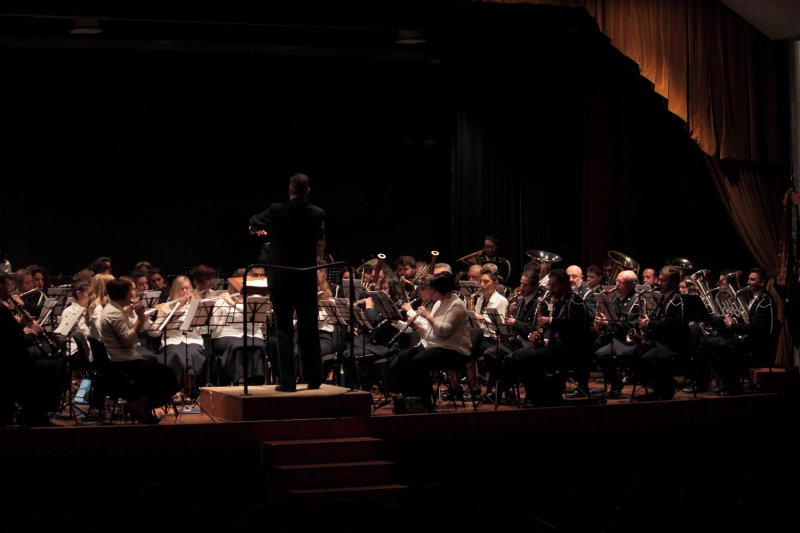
(151, 298)
(257, 310)
(337, 314)
(385, 306)
(496, 324)
(197, 317)
(69, 320)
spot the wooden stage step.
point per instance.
(263, 402)
(325, 470)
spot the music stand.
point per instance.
(257, 310)
(69, 320)
(356, 284)
(197, 316)
(468, 288)
(604, 307)
(337, 314)
(151, 298)
(384, 305)
(496, 324)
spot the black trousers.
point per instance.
(297, 293)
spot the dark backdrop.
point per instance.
(549, 139)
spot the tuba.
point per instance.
(621, 262)
(681, 264)
(730, 300)
(543, 259)
(471, 259)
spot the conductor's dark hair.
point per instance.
(117, 289)
(299, 184)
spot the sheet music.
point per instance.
(384, 305)
(496, 323)
(604, 306)
(150, 298)
(45, 314)
(69, 319)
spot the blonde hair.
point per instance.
(177, 285)
(98, 295)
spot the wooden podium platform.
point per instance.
(264, 403)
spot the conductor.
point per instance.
(295, 227)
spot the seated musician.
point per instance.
(416, 328)
(482, 337)
(156, 279)
(448, 342)
(562, 330)
(665, 334)
(184, 352)
(519, 318)
(23, 280)
(583, 358)
(740, 337)
(203, 280)
(33, 383)
(153, 383)
(80, 291)
(226, 338)
(491, 244)
(98, 299)
(611, 344)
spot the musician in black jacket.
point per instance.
(610, 345)
(34, 383)
(739, 338)
(296, 227)
(665, 335)
(521, 312)
(563, 332)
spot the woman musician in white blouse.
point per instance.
(184, 352)
(226, 338)
(447, 342)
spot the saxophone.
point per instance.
(636, 334)
(537, 335)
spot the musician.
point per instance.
(203, 280)
(101, 265)
(23, 280)
(413, 326)
(143, 266)
(35, 384)
(140, 281)
(491, 245)
(728, 351)
(666, 334)
(563, 332)
(184, 352)
(226, 337)
(611, 342)
(594, 278)
(483, 338)
(521, 313)
(649, 277)
(442, 267)
(153, 383)
(583, 357)
(41, 280)
(448, 343)
(405, 266)
(296, 227)
(80, 291)
(98, 299)
(156, 279)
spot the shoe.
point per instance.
(714, 390)
(313, 386)
(615, 395)
(577, 393)
(281, 388)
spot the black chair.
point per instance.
(764, 356)
(109, 381)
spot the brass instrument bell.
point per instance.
(621, 262)
(682, 264)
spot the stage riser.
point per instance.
(320, 451)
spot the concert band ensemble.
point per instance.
(477, 328)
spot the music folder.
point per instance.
(255, 285)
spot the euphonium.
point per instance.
(700, 280)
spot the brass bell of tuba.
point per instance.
(471, 259)
(621, 262)
(543, 259)
(681, 264)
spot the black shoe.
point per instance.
(313, 386)
(615, 395)
(577, 393)
(281, 388)
(714, 390)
